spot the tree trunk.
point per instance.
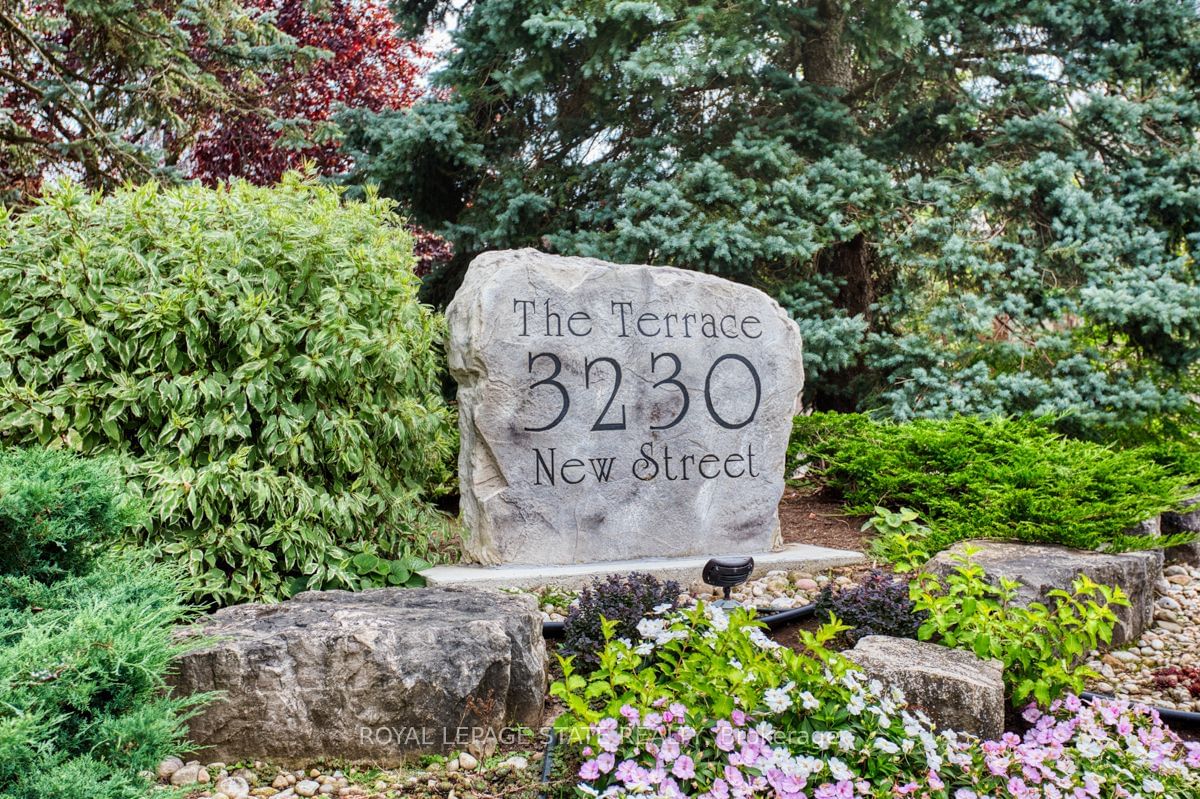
(826, 61)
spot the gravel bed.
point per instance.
(1155, 670)
(775, 591)
(462, 775)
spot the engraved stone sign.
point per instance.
(615, 412)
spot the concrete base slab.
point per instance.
(793, 557)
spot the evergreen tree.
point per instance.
(968, 206)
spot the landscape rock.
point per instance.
(365, 677)
(1041, 568)
(1186, 520)
(233, 787)
(189, 775)
(957, 690)
(614, 412)
(168, 767)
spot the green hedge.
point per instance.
(85, 637)
(256, 357)
(992, 478)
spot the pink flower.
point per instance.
(589, 770)
(739, 718)
(630, 714)
(684, 768)
(605, 762)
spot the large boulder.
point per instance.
(366, 677)
(1038, 569)
(957, 690)
(612, 412)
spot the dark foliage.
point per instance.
(623, 599)
(878, 606)
(1174, 676)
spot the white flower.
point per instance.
(809, 701)
(737, 664)
(583, 787)
(856, 705)
(760, 639)
(839, 770)
(823, 740)
(845, 740)
(875, 687)
(777, 700)
(720, 621)
(765, 730)
(1152, 785)
(661, 609)
(644, 648)
(884, 745)
(651, 628)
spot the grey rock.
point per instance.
(1184, 520)
(957, 690)
(307, 788)
(189, 774)
(168, 767)
(365, 677)
(233, 787)
(1041, 568)
(540, 496)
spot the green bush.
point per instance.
(1040, 646)
(258, 359)
(992, 478)
(82, 701)
(56, 511)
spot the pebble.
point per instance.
(467, 761)
(189, 774)
(1172, 640)
(308, 787)
(168, 767)
(777, 590)
(233, 787)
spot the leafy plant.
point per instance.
(711, 661)
(879, 605)
(622, 600)
(1040, 646)
(900, 538)
(57, 511)
(970, 477)
(257, 359)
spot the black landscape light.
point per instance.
(726, 573)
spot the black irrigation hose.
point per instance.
(1169, 715)
(548, 760)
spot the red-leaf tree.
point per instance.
(287, 118)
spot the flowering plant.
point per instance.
(707, 704)
(1102, 748)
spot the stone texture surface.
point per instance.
(956, 690)
(702, 483)
(365, 677)
(1041, 568)
(1186, 520)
